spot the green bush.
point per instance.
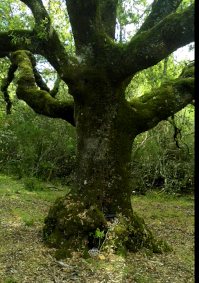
(33, 184)
(158, 163)
(35, 146)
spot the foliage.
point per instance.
(32, 184)
(97, 75)
(33, 146)
(133, 15)
(15, 14)
(97, 234)
(161, 161)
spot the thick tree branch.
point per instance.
(51, 49)
(108, 13)
(150, 47)
(43, 40)
(160, 9)
(38, 10)
(4, 87)
(14, 40)
(163, 102)
(88, 30)
(45, 31)
(39, 100)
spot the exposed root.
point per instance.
(69, 227)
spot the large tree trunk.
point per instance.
(106, 123)
(102, 182)
(106, 127)
(104, 154)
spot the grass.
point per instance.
(22, 212)
(162, 205)
(170, 212)
(161, 196)
(11, 280)
(10, 186)
(18, 192)
(28, 221)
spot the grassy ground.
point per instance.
(24, 258)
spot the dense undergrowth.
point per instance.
(39, 148)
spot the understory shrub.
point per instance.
(159, 162)
(37, 147)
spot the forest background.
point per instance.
(38, 161)
(36, 148)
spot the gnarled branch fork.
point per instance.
(40, 100)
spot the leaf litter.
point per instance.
(24, 257)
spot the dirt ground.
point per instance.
(24, 258)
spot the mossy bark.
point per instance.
(69, 225)
(106, 126)
(106, 123)
(103, 179)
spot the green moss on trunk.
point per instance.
(69, 225)
(105, 133)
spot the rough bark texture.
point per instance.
(41, 101)
(106, 123)
(160, 9)
(108, 13)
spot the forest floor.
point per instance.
(24, 258)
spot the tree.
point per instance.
(106, 123)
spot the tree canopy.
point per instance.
(167, 26)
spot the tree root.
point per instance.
(69, 226)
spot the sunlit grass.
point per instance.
(161, 196)
(10, 186)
